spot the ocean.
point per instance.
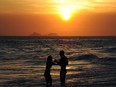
(92, 61)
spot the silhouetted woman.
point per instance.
(47, 75)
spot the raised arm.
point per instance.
(56, 62)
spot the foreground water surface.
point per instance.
(92, 61)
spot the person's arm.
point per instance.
(66, 61)
(57, 62)
(53, 63)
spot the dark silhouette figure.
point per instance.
(47, 75)
(63, 62)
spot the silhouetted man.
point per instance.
(63, 62)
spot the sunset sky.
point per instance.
(64, 17)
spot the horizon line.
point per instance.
(58, 36)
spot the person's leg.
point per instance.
(50, 80)
(46, 79)
(62, 78)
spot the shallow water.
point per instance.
(22, 61)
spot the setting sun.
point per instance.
(66, 12)
(66, 15)
(67, 8)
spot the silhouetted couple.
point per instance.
(63, 62)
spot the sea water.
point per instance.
(92, 61)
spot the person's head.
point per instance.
(61, 53)
(49, 59)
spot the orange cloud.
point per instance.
(50, 6)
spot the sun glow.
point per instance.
(66, 8)
(66, 15)
(65, 11)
